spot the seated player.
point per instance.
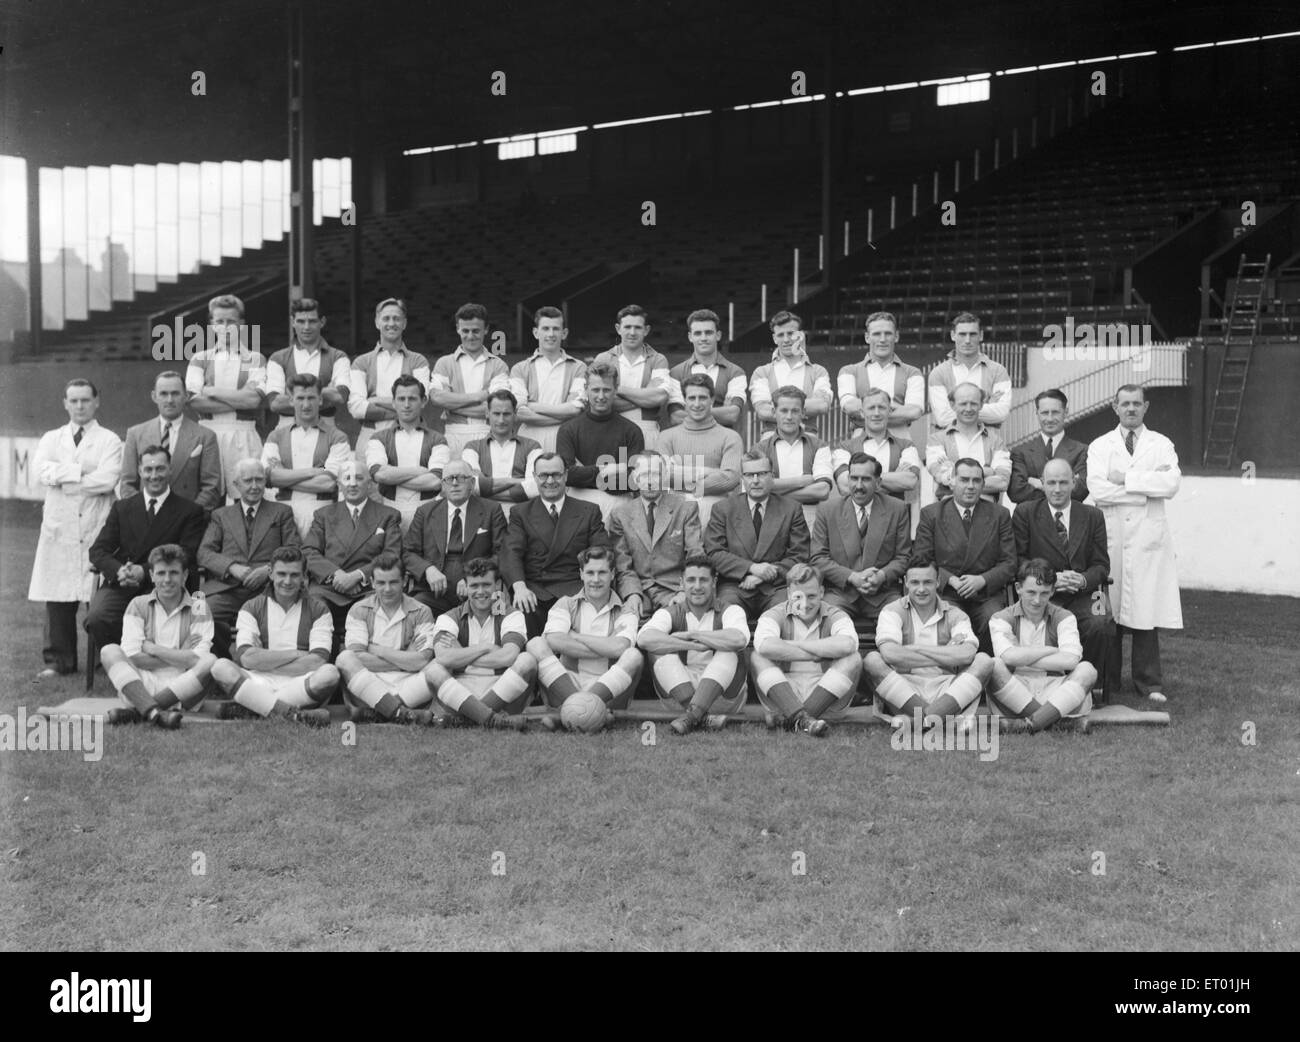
(387, 643)
(480, 669)
(805, 660)
(406, 460)
(503, 461)
(1038, 672)
(696, 649)
(282, 638)
(589, 642)
(165, 657)
(927, 658)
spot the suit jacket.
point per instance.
(644, 558)
(838, 547)
(1034, 529)
(128, 535)
(425, 542)
(989, 551)
(1029, 459)
(196, 463)
(226, 543)
(543, 553)
(333, 543)
(732, 547)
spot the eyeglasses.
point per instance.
(549, 477)
(750, 475)
(457, 477)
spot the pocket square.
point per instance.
(198, 451)
(481, 531)
(379, 530)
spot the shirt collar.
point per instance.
(1139, 430)
(244, 508)
(873, 360)
(86, 428)
(614, 600)
(460, 352)
(158, 500)
(981, 430)
(310, 352)
(980, 359)
(381, 350)
(823, 610)
(538, 356)
(186, 599)
(558, 504)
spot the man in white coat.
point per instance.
(79, 464)
(1131, 472)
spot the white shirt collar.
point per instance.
(157, 500)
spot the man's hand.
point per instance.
(525, 599)
(751, 582)
(130, 575)
(1070, 582)
(1035, 483)
(462, 590)
(967, 585)
(193, 642)
(634, 603)
(255, 578)
(438, 582)
(346, 583)
(1116, 477)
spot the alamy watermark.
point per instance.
(946, 734)
(180, 342)
(55, 734)
(1093, 342)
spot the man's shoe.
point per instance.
(810, 725)
(167, 719)
(551, 722)
(1156, 696)
(416, 717)
(229, 709)
(366, 715)
(311, 717)
(122, 715)
(508, 722)
(683, 725)
(715, 722)
(774, 721)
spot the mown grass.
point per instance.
(606, 842)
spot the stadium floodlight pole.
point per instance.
(821, 253)
(913, 198)
(1015, 142)
(892, 208)
(762, 303)
(35, 291)
(871, 222)
(846, 238)
(794, 283)
(956, 176)
(731, 321)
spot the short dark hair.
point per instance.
(782, 317)
(169, 553)
(858, 458)
(288, 555)
(966, 461)
(923, 562)
(301, 304)
(407, 380)
(803, 573)
(698, 380)
(547, 312)
(387, 561)
(881, 316)
(596, 553)
(1052, 392)
(155, 450)
(502, 395)
(307, 380)
(1129, 389)
(80, 381)
(396, 302)
(546, 457)
(633, 311)
(700, 560)
(1036, 568)
(965, 316)
(790, 391)
(481, 566)
(469, 312)
(170, 374)
(702, 315)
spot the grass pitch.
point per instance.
(266, 835)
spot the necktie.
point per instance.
(1047, 443)
(152, 509)
(249, 517)
(456, 540)
(650, 518)
(81, 433)
(862, 522)
(1130, 439)
(356, 516)
(166, 442)
(1060, 529)
(966, 518)
(555, 514)
(758, 521)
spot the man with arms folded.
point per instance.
(653, 536)
(754, 539)
(589, 643)
(282, 646)
(503, 461)
(926, 656)
(861, 544)
(696, 649)
(303, 459)
(79, 465)
(971, 543)
(237, 547)
(968, 438)
(644, 384)
(729, 381)
(703, 456)
(1071, 537)
(801, 462)
(1038, 673)
(544, 543)
(462, 380)
(790, 367)
(196, 457)
(968, 364)
(480, 670)
(309, 353)
(406, 460)
(1029, 458)
(897, 456)
(445, 534)
(805, 662)
(370, 395)
(883, 370)
(165, 658)
(387, 643)
(550, 386)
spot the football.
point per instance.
(585, 712)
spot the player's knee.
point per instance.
(849, 665)
(348, 663)
(525, 664)
(982, 665)
(226, 673)
(324, 681)
(1085, 675)
(875, 665)
(631, 659)
(758, 663)
(111, 654)
(204, 666)
(538, 648)
(1000, 673)
(435, 674)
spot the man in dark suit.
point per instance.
(653, 535)
(196, 457)
(448, 532)
(133, 528)
(545, 536)
(343, 542)
(1050, 442)
(970, 541)
(861, 544)
(237, 547)
(754, 539)
(1071, 537)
